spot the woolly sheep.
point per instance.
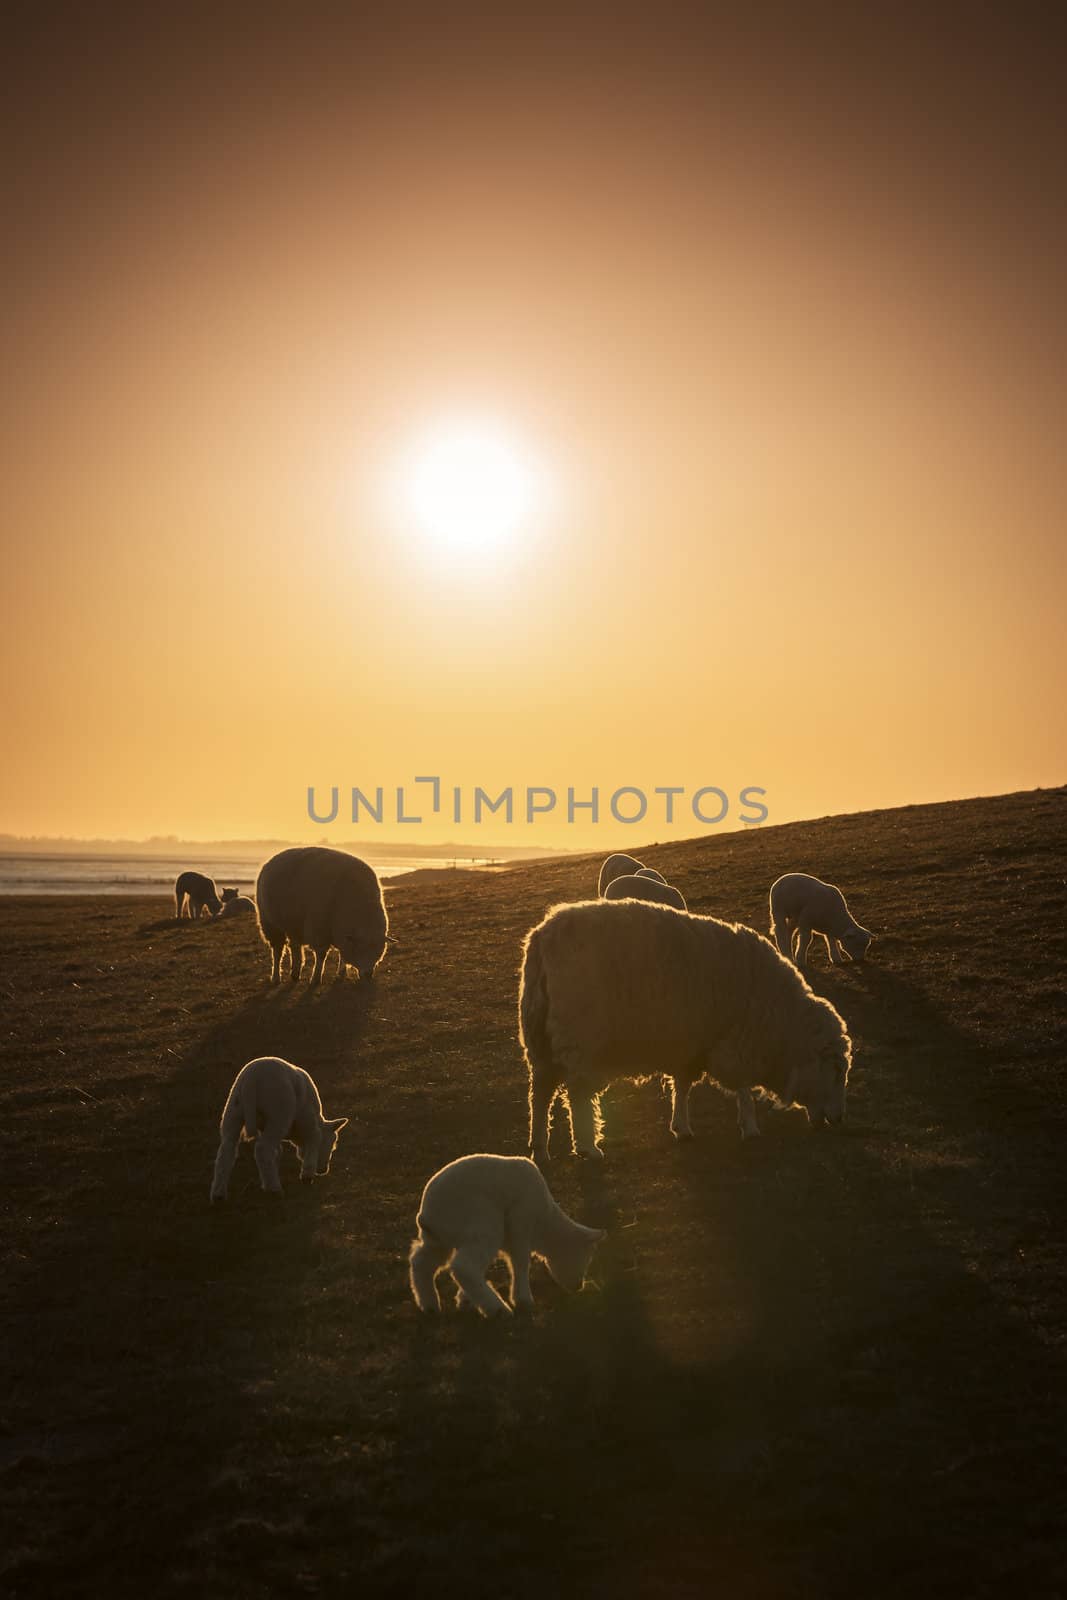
(650, 872)
(618, 989)
(197, 891)
(236, 905)
(638, 887)
(326, 899)
(481, 1207)
(802, 906)
(616, 867)
(272, 1101)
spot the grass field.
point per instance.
(809, 1366)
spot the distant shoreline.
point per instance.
(159, 849)
(152, 876)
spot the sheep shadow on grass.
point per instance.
(783, 1335)
(158, 1322)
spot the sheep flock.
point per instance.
(629, 985)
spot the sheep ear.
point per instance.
(338, 1123)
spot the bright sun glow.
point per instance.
(471, 486)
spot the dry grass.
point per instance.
(816, 1366)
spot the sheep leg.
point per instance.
(804, 942)
(341, 965)
(296, 959)
(681, 1083)
(426, 1260)
(841, 951)
(585, 1113)
(267, 1161)
(783, 937)
(746, 1115)
(521, 1297)
(225, 1162)
(276, 939)
(317, 963)
(519, 1248)
(469, 1266)
(834, 962)
(543, 1087)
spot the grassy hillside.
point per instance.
(815, 1365)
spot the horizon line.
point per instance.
(449, 847)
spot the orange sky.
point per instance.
(780, 306)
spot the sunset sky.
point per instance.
(771, 307)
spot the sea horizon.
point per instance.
(130, 873)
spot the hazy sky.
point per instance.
(777, 302)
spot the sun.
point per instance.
(471, 486)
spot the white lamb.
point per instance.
(639, 886)
(236, 905)
(272, 1101)
(802, 906)
(481, 1207)
(617, 866)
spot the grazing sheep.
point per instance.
(617, 989)
(615, 867)
(801, 907)
(196, 891)
(638, 887)
(272, 1101)
(481, 1207)
(650, 872)
(236, 905)
(326, 899)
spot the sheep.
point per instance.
(802, 906)
(481, 1207)
(197, 891)
(650, 872)
(615, 867)
(638, 887)
(236, 905)
(619, 989)
(324, 898)
(272, 1101)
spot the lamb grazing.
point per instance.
(615, 867)
(638, 887)
(618, 989)
(481, 1207)
(272, 1101)
(650, 872)
(195, 890)
(326, 899)
(236, 905)
(801, 907)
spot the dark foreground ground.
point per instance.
(820, 1365)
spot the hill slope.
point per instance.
(816, 1365)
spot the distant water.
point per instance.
(148, 875)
